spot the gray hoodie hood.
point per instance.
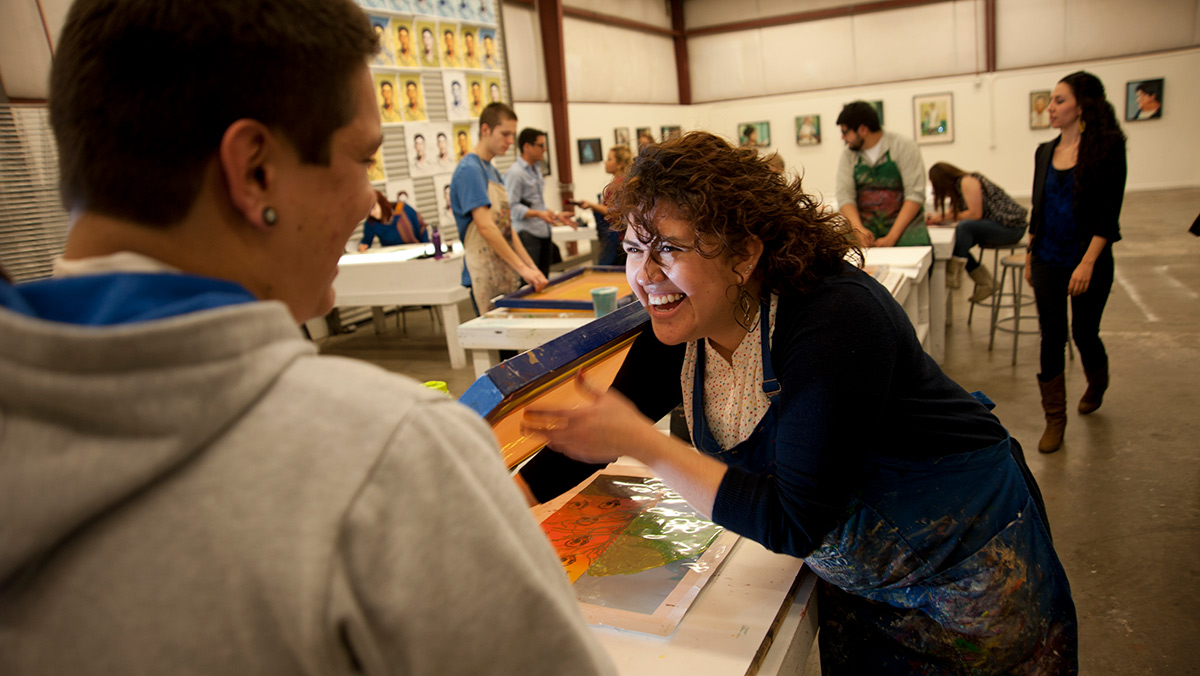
(91, 416)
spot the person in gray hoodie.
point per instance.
(186, 487)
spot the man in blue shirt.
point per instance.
(526, 187)
(496, 261)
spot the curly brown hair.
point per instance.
(730, 195)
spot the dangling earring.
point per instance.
(1082, 125)
(745, 316)
(269, 216)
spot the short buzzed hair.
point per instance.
(141, 93)
(495, 114)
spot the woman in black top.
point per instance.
(1078, 187)
(824, 430)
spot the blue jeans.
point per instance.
(969, 233)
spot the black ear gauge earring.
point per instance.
(269, 216)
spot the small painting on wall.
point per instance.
(589, 151)
(878, 106)
(644, 136)
(671, 131)
(808, 130)
(933, 118)
(1039, 109)
(754, 134)
(621, 136)
(1143, 100)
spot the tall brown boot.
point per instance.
(1097, 384)
(1054, 403)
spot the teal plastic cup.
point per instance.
(604, 299)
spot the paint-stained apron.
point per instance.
(491, 276)
(939, 566)
(880, 194)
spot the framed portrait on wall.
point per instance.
(589, 151)
(406, 50)
(413, 102)
(671, 131)
(808, 130)
(544, 165)
(1039, 113)
(754, 134)
(933, 118)
(386, 55)
(878, 106)
(644, 137)
(427, 45)
(1143, 100)
(621, 136)
(388, 98)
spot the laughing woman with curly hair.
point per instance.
(933, 552)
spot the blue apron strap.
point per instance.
(770, 384)
(983, 399)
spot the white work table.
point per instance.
(396, 276)
(743, 621)
(913, 262)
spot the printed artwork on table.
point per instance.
(386, 96)
(406, 49)
(470, 47)
(414, 97)
(441, 188)
(441, 150)
(427, 47)
(448, 36)
(493, 90)
(375, 172)
(386, 54)
(419, 141)
(454, 84)
(635, 552)
(464, 134)
(400, 190)
(487, 38)
(475, 100)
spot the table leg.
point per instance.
(937, 311)
(483, 360)
(377, 318)
(458, 357)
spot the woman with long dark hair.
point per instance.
(925, 532)
(1078, 188)
(985, 215)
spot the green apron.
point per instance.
(880, 196)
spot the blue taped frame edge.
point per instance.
(509, 377)
(519, 298)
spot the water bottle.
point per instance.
(436, 238)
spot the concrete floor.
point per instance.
(1123, 494)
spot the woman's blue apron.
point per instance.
(938, 566)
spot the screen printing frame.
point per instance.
(525, 297)
(506, 389)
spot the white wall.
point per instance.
(992, 133)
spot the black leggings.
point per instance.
(1050, 291)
